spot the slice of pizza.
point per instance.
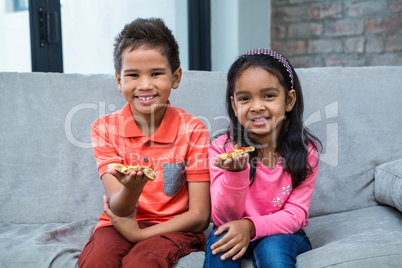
(235, 152)
(127, 169)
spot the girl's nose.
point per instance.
(257, 106)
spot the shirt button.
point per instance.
(145, 159)
(146, 144)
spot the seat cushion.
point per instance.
(368, 237)
(43, 245)
(388, 184)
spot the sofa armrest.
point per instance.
(388, 184)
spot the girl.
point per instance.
(260, 200)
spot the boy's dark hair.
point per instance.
(151, 33)
(294, 139)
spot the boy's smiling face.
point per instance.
(146, 80)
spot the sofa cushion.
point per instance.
(388, 184)
(48, 171)
(43, 245)
(358, 120)
(367, 237)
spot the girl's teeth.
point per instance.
(259, 119)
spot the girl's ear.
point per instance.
(177, 78)
(118, 80)
(233, 106)
(290, 100)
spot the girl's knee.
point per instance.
(279, 250)
(212, 239)
(278, 259)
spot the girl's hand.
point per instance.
(133, 181)
(235, 242)
(231, 164)
(127, 226)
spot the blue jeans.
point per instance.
(271, 251)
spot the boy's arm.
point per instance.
(123, 191)
(196, 219)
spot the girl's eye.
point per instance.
(243, 99)
(268, 96)
(133, 75)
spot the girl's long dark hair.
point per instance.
(294, 139)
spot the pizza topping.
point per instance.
(236, 152)
(127, 169)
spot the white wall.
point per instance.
(15, 42)
(89, 28)
(237, 26)
(224, 33)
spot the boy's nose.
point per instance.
(145, 84)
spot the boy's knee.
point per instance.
(99, 252)
(95, 259)
(162, 250)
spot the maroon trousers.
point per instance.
(108, 248)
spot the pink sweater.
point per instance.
(270, 203)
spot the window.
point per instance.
(20, 5)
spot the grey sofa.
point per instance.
(51, 196)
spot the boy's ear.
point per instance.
(118, 80)
(290, 100)
(177, 78)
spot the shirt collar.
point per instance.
(166, 132)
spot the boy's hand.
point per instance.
(238, 164)
(127, 226)
(235, 242)
(134, 181)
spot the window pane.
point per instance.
(89, 28)
(20, 5)
(15, 45)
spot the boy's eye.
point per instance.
(133, 75)
(156, 74)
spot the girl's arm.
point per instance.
(196, 219)
(228, 189)
(294, 213)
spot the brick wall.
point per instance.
(316, 33)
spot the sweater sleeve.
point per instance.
(294, 213)
(228, 189)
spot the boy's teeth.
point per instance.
(146, 98)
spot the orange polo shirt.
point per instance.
(178, 150)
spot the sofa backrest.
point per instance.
(354, 111)
(49, 173)
(48, 169)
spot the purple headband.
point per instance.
(275, 55)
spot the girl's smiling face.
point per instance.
(260, 103)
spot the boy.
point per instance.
(149, 223)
